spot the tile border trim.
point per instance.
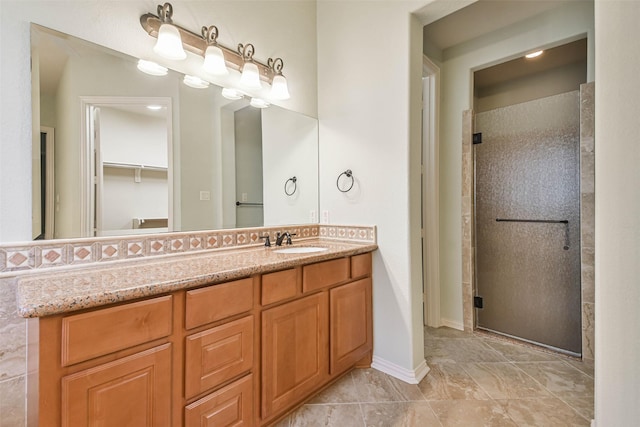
(43, 255)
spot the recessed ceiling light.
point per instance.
(154, 107)
(231, 93)
(152, 68)
(195, 82)
(534, 54)
(258, 103)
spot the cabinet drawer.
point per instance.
(100, 332)
(229, 406)
(217, 302)
(132, 391)
(279, 286)
(323, 274)
(217, 355)
(361, 265)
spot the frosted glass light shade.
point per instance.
(258, 103)
(279, 89)
(151, 68)
(195, 82)
(214, 61)
(231, 93)
(250, 77)
(169, 44)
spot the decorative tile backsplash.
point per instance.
(44, 254)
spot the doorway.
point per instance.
(127, 166)
(527, 222)
(526, 198)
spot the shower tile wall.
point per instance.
(587, 213)
(468, 289)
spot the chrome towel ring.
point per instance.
(347, 174)
(294, 180)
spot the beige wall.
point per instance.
(369, 112)
(617, 247)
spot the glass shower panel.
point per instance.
(527, 221)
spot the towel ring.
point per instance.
(295, 186)
(348, 174)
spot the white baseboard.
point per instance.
(452, 324)
(403, 374)
(593, 423)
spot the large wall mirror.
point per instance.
(122, 152)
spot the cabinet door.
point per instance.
(132, 391)
(350, 320)
(294, 351)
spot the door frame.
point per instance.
(88, 160)
(430, 231)
(49, 197)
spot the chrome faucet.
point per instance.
(281, 236)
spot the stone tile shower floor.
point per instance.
(475, 380)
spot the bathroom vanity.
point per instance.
(229, 337)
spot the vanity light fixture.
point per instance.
(534, 54)
(169, 44)
(154, 107)
(151, 68)
(232, 94)
(250, 78)
(195, 82)
(279, 89)
(213, 55)
(258, 103)
(206, 45)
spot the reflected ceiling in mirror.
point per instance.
(227, 163)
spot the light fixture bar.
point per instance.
(195, 43)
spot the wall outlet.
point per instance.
(205, 195)
(243, 197)
(313, 216)
(325, 217)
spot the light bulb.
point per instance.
(250, 77)
(169, 44)
(279, 89)
(214, 61)
(152, 68)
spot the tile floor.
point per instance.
(475, 380)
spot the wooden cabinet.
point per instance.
(241, 353)
(350, 319)
(294, 348)
(132, 391)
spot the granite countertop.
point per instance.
(64, 290)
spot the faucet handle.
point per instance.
(289, 237)
(267, 241)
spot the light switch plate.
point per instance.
(205, 195)
(325, 217)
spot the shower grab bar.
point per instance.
(546, 221)
(248, 204)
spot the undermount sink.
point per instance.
(300, 250)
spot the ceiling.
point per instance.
(486, 16)
(480, 18)
(567, 54)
